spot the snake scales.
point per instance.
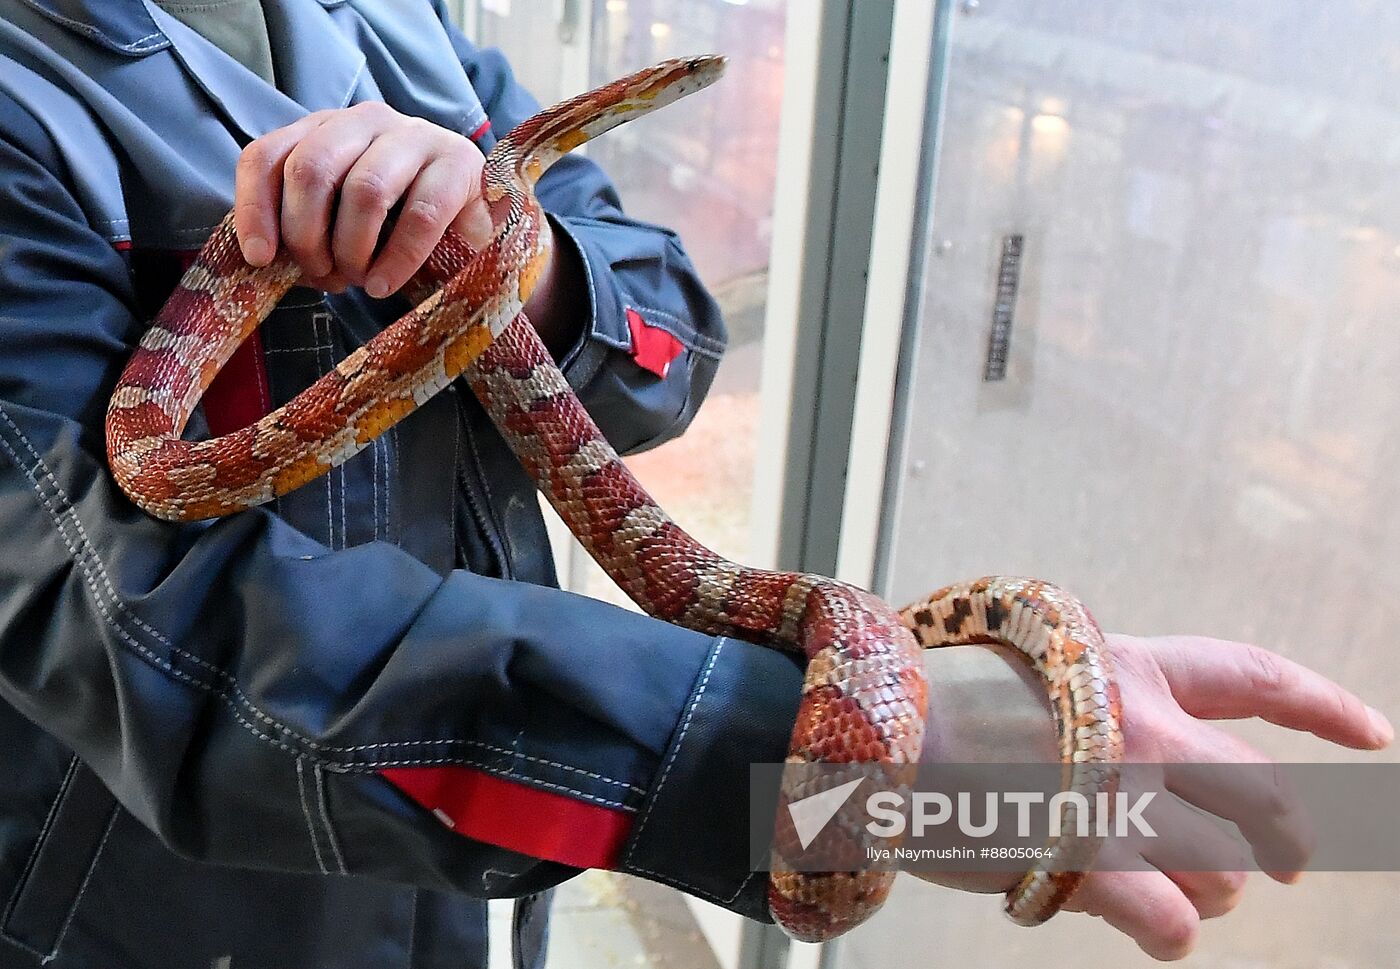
(864, 694)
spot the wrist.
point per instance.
(986, 706)
(553, 307)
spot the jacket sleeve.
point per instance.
(631, 266)
(239, 687)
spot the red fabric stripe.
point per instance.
(517, 817)
(652, 346)
(481, 129)
(122, 245)
(239, 395)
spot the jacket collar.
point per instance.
(308, 80)
(122, 26)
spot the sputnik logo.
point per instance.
(810, 814)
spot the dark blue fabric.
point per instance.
(235, 685)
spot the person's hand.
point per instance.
(324, 188)
(1171, 687)
(332, 185)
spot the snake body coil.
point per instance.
(864, 696)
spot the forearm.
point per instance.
(986, 706)
(559, 306)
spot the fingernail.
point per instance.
(257, 250)
(1385, 733)
(377, 287)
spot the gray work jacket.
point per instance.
(197, 719)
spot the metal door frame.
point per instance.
(856, 186)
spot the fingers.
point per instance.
(1211, 893)
(372, 188)
(313, 174)
(474, 224)
(1162, 911)
(1145, 905)
(323, 188)
(1204, 860)
(439, 192)
(257, 197)
(1218, 680)
(1225, 776)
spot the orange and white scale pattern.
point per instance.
(1062, 642)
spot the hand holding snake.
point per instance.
(864, 697)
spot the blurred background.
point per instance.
(1104, 292)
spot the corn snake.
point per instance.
(864, 696)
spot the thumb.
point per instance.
(474, 224)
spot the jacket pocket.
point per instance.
(60, 863)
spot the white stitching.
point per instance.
(687, 334)
(126, 637)
(354, 83)
(344, 533)
(22, 946)
(499, 772)
(395, 476)
(319, 347)
(359, 766)
(461, 742)
(323, 803)
(665, 773)
(81, 560)
(87, 30)
(691, 889)
(39, 843)
(135, 45)
(82, 889)
(375, 448)
(339, 471)
(86, 558)
(507, 550)
(306, 813)
(676, 750)
(141, 650)
(82, 532)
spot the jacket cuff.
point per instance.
(693, 830)
(641, 394)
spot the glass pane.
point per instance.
(1196, 426)
(705, 167)
(534, 35)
